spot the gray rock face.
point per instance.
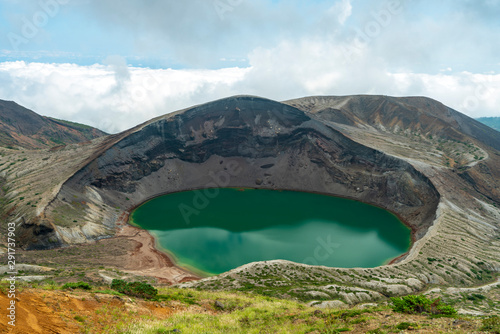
(236, 142)
(330, 304)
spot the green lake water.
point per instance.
(215, 230)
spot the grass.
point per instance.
(238, 312)
(256, 314)
(406, 325)
(491, 325)
(109, 292)
(178, 310)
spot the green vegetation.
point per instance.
(420, 304)
(78, 285)
(406, 325)
(65, 215)
(109, 292)
(476, 297)
(248, 313)
(136, 289)
(375, 331)
(199, 311)
(73, 125)
(79, 318)
(491, 325)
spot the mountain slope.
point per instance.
(399, 114)
(24, 128)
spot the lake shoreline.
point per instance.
(159, 249)
(148, 259)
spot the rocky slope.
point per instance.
(21, 127)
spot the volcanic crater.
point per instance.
(436, 169)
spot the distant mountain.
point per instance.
(399, 114)
(21, 127)
(492, 122)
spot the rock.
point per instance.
(415, 283)
(26, 268)
(460, 322)
(471, 312)
(258, 182)
(317, 294)
(218, 305)
(29, 278)
(366, 305)
(329, 304)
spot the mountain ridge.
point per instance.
(22, 127)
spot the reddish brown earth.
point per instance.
(145, 259)
(131, 251)
(61, 312)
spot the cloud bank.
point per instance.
(115, 97)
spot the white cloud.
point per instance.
(89, 94)
(119, 66)
(319, 67)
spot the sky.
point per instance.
(113, 64)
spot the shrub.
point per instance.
(476, 297)
(79, 285)
(406, 325)
(420, 304)
(136, 289)
(79, 318)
